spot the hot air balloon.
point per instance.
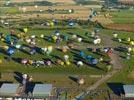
(25, 30)
(10, 51)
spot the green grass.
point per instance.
(121, 34)
(122, 76)
(9, 10)
(119, 20)
(72, 69)
(123, 16)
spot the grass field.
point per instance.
(123, 16)
(10, 66)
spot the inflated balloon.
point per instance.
(79, 39)
(94, 61)
(19, 35)
(68, 63)
(128, 39)
(10, 51)
(62, 63)
(119, 40)
(36, 6)
(33, 51)
(80, 63)
(89, 57)
(74, 36)
(28, 40)
(48, 63)
(30, 62)
(17, 46)
(2, 39)
(132, 43)
(8, 38)
(82, 54)
(66, 57)
(66, 38)
(54, 38)
(51, 24)
(24, 61)
(33, 36)
(44, 49)
(97, 41)
(71, 23)
(25, 30)
(115, 35)
(50, 48)
(5, 47)
(42, 35)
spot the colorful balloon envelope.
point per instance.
(10, 51)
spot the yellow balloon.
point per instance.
(30, 62)
(62, 63)
(5, 47)
(68, 62)
(54, 38)
(25, 30)
(132, 43)
(50, 48)
(19, 35)
(51, 24)
(2, 39)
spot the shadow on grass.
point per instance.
(117, 88)
(75, 79)
(18, 76)
(30, 86)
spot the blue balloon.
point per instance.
(8, 38)
(33, 51)
(82, 54)
(10, 51)
(89, 57)
(66, 38)
(94, 61)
